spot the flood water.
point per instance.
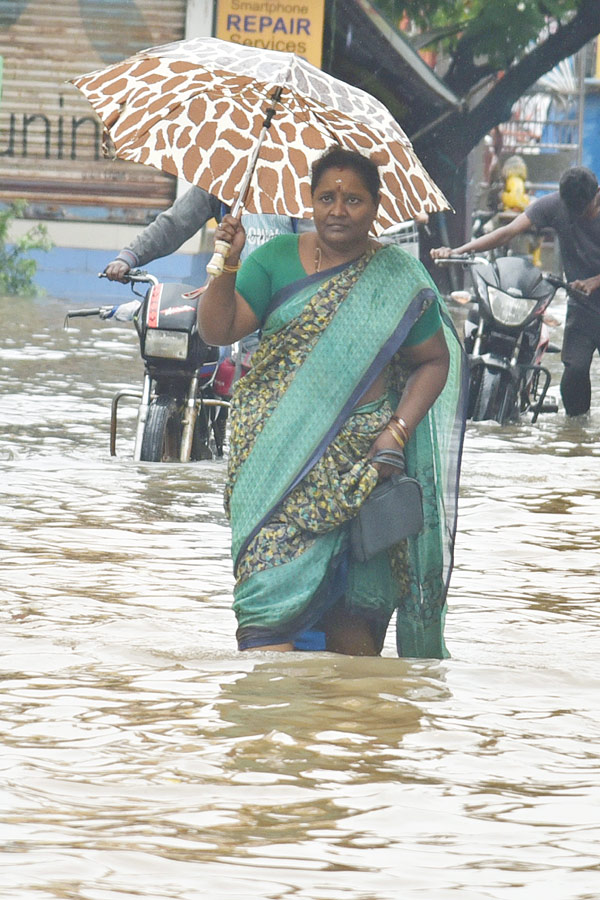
(143, 757)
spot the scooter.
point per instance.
(179, 404)
(506, 336)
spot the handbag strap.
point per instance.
(390, 458)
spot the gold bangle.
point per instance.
(235, 268)
(399, 429)
(399, 440)
(402, 424)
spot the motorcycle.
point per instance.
(506, 336)
(186, 387)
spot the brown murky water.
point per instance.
(143, 757)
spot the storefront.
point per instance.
(50, 140)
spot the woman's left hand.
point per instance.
(385, 441)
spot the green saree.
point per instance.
(298, 468)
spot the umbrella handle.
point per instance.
(217, 261)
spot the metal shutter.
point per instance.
(50, 139)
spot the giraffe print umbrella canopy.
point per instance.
(196, 109)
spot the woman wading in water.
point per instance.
(357, 355)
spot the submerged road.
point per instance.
(143, 757)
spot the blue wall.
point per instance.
(72, 274)
(591, 132)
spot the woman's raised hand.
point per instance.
(232, 231)
(230, 238)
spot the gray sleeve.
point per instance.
(542, 213)
(173, 227)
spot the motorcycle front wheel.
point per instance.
(162, 433)
(200, 443)
(495, 400)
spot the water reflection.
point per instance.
(144, 757)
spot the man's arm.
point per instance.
(175, 225)
(497, 238)
(167, 232)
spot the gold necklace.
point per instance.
(319, 259)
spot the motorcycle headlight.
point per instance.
(508, 310)
(166, 344)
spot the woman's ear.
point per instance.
(376, 202)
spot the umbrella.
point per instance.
(246, 124)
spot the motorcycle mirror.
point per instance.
(461, 297)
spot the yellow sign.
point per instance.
(293, 27)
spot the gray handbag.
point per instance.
(392, 512)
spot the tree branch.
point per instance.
(464, 129)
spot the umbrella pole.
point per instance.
(222, 248)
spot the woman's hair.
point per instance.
(339, 158)
(578, 186)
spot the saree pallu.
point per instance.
(298, 467)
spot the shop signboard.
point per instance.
(292, 26)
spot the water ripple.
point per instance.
(142, 756)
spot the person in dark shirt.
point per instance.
(573, 212)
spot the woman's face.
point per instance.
(344, 209)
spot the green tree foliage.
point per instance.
(490, 53)
(494, 50)
(17, 269)
(485, 36)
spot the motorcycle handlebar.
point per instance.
(101, 311)
(77, 313)
(464, 259)
(135, 275)
(557, 282)
(468, 259)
